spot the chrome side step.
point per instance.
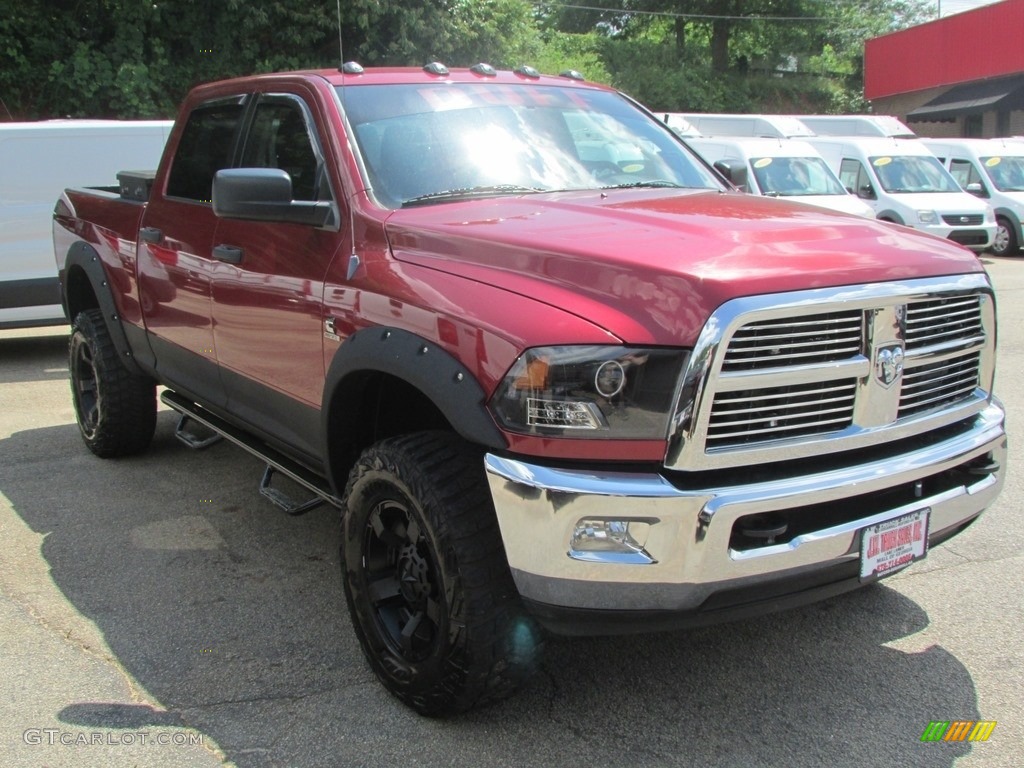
(275, 460)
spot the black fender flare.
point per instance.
(84, 256)
(421, 363)
(891, 216)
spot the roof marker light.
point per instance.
(435, 68)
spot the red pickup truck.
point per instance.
(554, 372)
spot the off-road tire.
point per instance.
(116, 409)
(426, 578)
(1005, 242)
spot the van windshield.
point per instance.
(901, 174)
(789, 176)
(1007, 173)
(438, 142)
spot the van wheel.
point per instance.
(426, 579)
(116, 409)
(1005, 242)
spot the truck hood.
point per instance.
(650, 266)
(841, 203)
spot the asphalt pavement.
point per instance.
(157, 611)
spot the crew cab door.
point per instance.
(268, 285)
(175, 251)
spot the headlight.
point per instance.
(927, 217)
(590, 391)
(990, 215)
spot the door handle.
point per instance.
(228, 253)
(151, 234)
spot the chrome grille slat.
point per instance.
(778, 395)
(804, 409)
(943, 336)
(921, 318)
(823, 337)
(779, 410)
(778, 360)
(777, 430)
(945, 397)
(937, 384)
(942, 320)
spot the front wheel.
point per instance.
(116, 409)
(426, 579)
(1005, 242)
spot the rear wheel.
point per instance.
(426, 579)
(1005, 242)
(116, 409)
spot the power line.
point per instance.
(671, 15)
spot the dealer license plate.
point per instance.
(893, 545)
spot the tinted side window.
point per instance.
(850, 174)
(278, 138)
(964, 172)
(204, 149)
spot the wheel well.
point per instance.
(369, 406)
(78, 292)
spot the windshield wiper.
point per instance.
(468, 193)
(651, 183)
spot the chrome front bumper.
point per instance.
(687, 553)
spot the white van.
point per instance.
(37, 162)
(903, 182)
(857, 125)
(779, 168)
(679, 124)
(992, 169)
(751, 126)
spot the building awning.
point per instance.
(973, 98)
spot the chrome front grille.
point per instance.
(815, 372)
(790, 341)
(942, 320)
(760, 414)
(938, 384)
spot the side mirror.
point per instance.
(734, 172)
(867, 192)
(977, 189)
(264, 194)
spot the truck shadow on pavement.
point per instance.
(34, 358)
(230, 615)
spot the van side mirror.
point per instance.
(977, 189)
(867, 192)
(736, 172)
(264, 194)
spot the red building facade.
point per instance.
(962, 75)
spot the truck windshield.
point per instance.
(436, 142)
(912, 174)
(788, 176)
(1007, 173)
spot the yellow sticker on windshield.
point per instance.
(882, 161)
(632, 168)
(993, 161)
(763, 162)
